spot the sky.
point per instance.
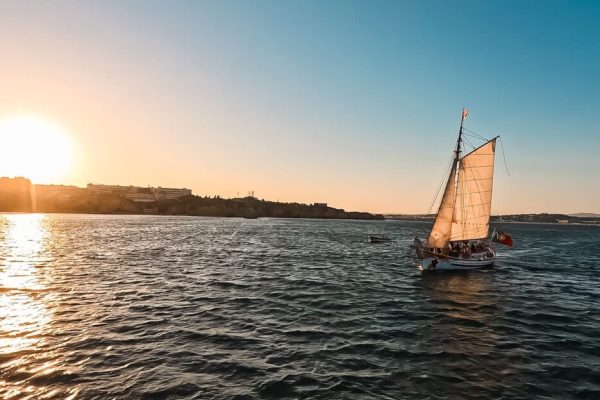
(353, 103)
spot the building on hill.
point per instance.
(170, 193)
(140, 194)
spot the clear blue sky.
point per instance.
(356, 103)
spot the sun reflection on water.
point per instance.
(22, 245)
(24, 314)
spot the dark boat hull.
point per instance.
(379, 239)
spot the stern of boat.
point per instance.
(418, 246)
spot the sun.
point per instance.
(35, 148)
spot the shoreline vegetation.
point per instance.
(19, 195)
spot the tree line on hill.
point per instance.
(19, 195)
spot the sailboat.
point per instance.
(458, 239)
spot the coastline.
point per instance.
(249, 207)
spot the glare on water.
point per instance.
(24, 313)
(21, 313)
(126, 307)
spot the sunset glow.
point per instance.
(356, 106)
(35, 148)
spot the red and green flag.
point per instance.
(502, 238)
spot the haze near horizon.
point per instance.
(351, 103)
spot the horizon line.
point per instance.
(294, 201)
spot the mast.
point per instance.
(441, 230)
(464, 114)
(457, 156)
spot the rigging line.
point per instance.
(476, 134)
(468, 142)
(474, 150)
(471, 135)
(503, 156)
(475, 137)
(444, 178)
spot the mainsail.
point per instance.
(465, 209)
(473, 204)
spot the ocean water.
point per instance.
(144, 307)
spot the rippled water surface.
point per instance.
(131, 307)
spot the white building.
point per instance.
(170, 193)
(140, 194)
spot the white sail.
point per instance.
(442, 227)
(473, 204)
(463, 214)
